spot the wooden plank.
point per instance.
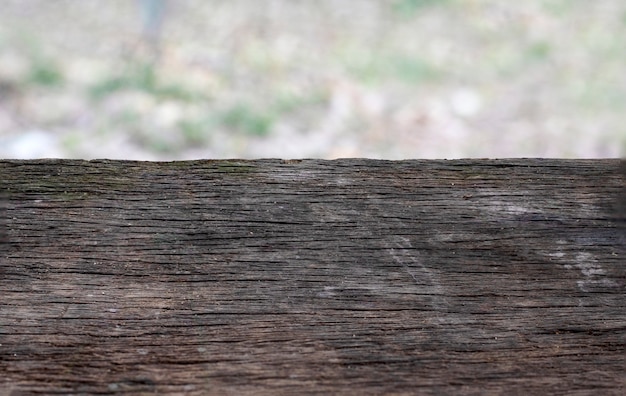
(308, 277)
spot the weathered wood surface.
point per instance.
(313, 277)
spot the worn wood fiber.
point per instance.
(313, 277)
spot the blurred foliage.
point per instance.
(244, 118)
(376, 68)
(143, 77)
(408, 8)
(196, 131)
(45, 72)
(380, 78)
(538, 51)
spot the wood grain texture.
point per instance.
(313, 277)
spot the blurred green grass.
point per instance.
(381, 78)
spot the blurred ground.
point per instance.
(302, 78)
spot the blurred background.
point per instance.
(392, 79)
